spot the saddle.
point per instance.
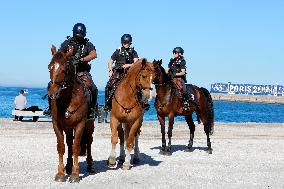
(178, 88)
(113, 83)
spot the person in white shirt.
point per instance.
(20, 103)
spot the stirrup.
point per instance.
(146, 106)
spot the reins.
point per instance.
(128, 110)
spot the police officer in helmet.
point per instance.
(177, 69)
(83, 52)
(123, 58)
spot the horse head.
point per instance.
(143, 71)
(61, 71)
(161, 77)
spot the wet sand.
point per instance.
(245, 155)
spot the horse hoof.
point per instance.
(136, 161)
(126, 166)
(74, 179)
(165, 153)
(209, 151)
(121, 161)
(59, 178)
(111, 162)
(90, 169)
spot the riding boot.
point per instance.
(107, 103)
(94, 105)
(146, 105)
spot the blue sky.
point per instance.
(240, 41)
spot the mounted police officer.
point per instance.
(123, 58)
(84, 52)
(177, 69)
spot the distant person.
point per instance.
(20, 103)
(177, 69)
(123, 58)
(83, 52)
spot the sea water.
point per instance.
(224, 111)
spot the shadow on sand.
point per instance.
(175, 148)
(101, 166)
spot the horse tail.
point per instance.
(210, 110)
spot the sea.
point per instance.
(224, 111)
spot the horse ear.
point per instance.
(53, 50)
(160, 61)
(144, 62)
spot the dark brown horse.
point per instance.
(69, 107)
(169, 104)
(126, 116)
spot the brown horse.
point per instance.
(69, 107)
(126, 116)
(168, 104)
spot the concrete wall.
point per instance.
(249, 98)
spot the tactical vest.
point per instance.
(80, 51)
(175, 64)
(125, 56)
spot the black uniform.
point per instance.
(81, 49)
(175, 66)
(124, 56)
(120, 57)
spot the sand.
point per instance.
(245, 155)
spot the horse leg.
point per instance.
(90, 130)
(130, 141)
(69, 141)
(170, 134)
(191, 126)
(60, 176)
(207, 131)
(121, 142)
(136, 157)
(114, 124)
(162, 123)
(76, 148)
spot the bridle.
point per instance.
(135, 91)
(63, 84)
(157, 83)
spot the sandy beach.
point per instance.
(245, 155)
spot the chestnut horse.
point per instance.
(168, 104)
(126, 116)
(69, 107)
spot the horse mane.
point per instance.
(166, 77)
(138, 64)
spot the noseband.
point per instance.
(62, 84)
(135, 91)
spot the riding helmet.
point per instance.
(79, 30)
(178, 50)
(126, 38)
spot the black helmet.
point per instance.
(126, 38)
(79, 30)
(178, 50)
